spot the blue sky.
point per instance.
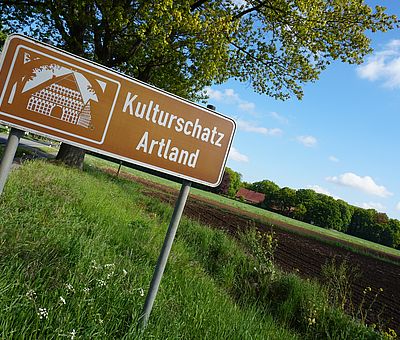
(341, 139)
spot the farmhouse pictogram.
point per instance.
(61, 93)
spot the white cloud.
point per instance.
(214, 94)
(398, 206)
(308, 141)
(251, 127)
(372, 205)
(383, 65)
(230, 96)
(279, 117)
(239, 3)
(333, 159)
(235, 155)
(247, 106)
(275, 132)
(365, 184)
(321, 190)
(225, 95)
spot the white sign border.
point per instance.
(135, 81)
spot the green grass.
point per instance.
(77, 255)
(352, 242)
(89, 240)
(340, 239)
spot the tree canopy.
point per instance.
(183, 46)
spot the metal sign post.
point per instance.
(162, 259)
(9, 154)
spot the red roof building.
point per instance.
(250, 196)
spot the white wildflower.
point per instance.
(311, 321)
(31, 294)
(101, 283)
(141, 291)
(70, 287)
(62, 300)
(95, 265)
(43, 313)
(86, 290)
(99, 319)
(73, 333)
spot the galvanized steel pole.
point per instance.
(9, 154)
(162, 259)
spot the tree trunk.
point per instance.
(71, 155)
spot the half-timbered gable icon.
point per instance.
(65, 97)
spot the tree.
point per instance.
(183, 46)
(3, 36)
(235, 181)
(373, 226)
(304, 200)
(266, 187)
(346, 213)
(270, 189)
(285, 200)
(223, 187)
(394, 226)
(324, 212)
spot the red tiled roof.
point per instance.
(250, 196)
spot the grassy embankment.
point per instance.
(332, 236)
(78, 251)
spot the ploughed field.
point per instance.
(304, 254)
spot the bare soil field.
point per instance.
(301, 253)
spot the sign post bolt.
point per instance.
(9, 154)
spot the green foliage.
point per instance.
(3, 36)
(324, 211)
(346, 213)
(394, 227)
(269, 188)
(183, 46)
(374, 226)
(266, 187)
(304, 306)
(235, 180)
(338, 279)
(262, 246)
(285, 200)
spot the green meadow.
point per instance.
(77, 254)
(335, 237)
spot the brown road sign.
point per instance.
(48, 91)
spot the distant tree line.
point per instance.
(324, 211)
(318, 209)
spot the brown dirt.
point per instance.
(302, 254)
